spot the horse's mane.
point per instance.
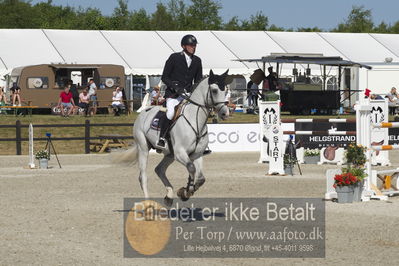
(196, 84)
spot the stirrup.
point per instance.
(161, 144)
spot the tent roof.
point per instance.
(20, 47)
(359, 47)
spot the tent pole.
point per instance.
(131, 91)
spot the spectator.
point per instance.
(84, 101)
(74, 91)
(93, 96)
(117, 104)
(156, 97)
(271, 80)
(3, 98)
(376, 97)
(16, 94)
(227, 101)
(393, 97)
(66, 102)
(392, 100)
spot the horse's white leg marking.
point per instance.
(160, 170)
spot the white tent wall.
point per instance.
(380, 79)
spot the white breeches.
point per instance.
(170, 106)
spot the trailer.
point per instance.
(42, 84)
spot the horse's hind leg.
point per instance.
(142, 161)
(160, 170)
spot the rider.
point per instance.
(180, 71)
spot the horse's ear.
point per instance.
(211, 73)
(225, 73)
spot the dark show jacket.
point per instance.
(177, 76)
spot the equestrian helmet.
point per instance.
(189, 40)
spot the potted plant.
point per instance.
(344, 186)
(289, 162)
(311, 156)
(43, 156)
(355, 156)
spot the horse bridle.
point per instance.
(206, 106)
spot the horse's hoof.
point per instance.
(168, 201)
(182, 194)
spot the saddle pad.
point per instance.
(155, 121)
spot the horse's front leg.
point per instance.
(199, 177)
(182, 157)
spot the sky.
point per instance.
(325, 14)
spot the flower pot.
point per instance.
(312, 159)
(345, 194)
(358, 190)
(288, 170)
(43, 163)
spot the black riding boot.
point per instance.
(165, 123)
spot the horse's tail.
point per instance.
(126, 157)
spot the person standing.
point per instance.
(272, 79)
(93, 97)
(181, 70)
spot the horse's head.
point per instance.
(217, 93)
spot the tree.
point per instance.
(16, 14)
(359, 20)
(178, 10)
(314, 29)
(139, 20)
(90, 19)
(232, 24)
(258, 22)
(48, 16)
(120, 17)
(204, 15)
(382, 28)
(161, 19)
(275, 28)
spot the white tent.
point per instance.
(145, 52)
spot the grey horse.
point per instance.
(188, 136)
